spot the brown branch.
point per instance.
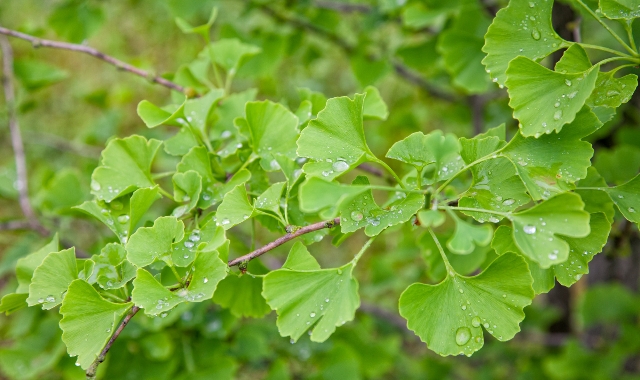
(22, 183)
(37, 42)
(343, 7)
(91, 371)
(401, 70)
(385, 315)
(371, 170)
(14, 225)
(283, 239)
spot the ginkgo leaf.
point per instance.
(627, 198)
(187, 187)
(550, 164)
(461, 49)
(595, 200)
(25, 266)
(235, 208)
(140, 202)
(496, 185)
(52, 278)
(319, 300)
(540, 231)
(196, 111)
(270, 199)
(154, 116)
(88, 320)
(203, 29)
(299, 258)
(466, 236)
(462, 264)
(242, 295)
(125, 165)
(420, 150)
(374, 106)
(449, 316)
(581, 252)
(316, 195)
(181, 143)
(207, 271)
(230, 53)
(111, 269)
(211, 237)
(219, 190)
(273, 129)
(524, 29)
(608, 91)
(533, 88)
(12, 302)
(335, 141)
(620, 9)
(431, 218)
(148, 244)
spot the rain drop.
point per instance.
(529, 229)
(568, 82)
(340, 166)
(189, 244)
(631, 209)
(475, 322)
(312, 315)
(463, 334)
(508, 202)
(557, 115)
(535, 33)
(356, 216)
(123, 219)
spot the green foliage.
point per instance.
(469, 226)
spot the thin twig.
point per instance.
(37, 42)
(91, 371)
(283, 239)
(343, 7)
(371, 170)
(386, 315)
(401, 70)
(14, 225)
(476, 103)
(22, 183)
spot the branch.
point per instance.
(283, 239)
(37, 42)
(14, 225)
(401, 70)
(343, 7)
(91, 371)
(22, 184)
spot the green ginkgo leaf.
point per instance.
(203, 29)
(316, 195)
(25, 266)
(362, 211)
(12, 302)
(524, 29)
(111, 269)
(207, 271)
(496, 185)
(181, 143)
(550, 164)
(627, 198)
(125, 166)
(374, 106)
(270, 199)
(235, 208)
(88, 321)
(242, 296)
(467, 235)
(335, 141)
(319, 300)
(620, 9)
(187, 187)
(534, 88)
(52, 278)
(431, 218)
(300, 258)
(450, 316)
(581, 252)
(541, 230)
(154, 116)
(421, 150)
(230, 53)
(609, 91)
(594, 198)
(196, 111)
(148, 244)
(273, 129)
(461, 49)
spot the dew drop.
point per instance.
(508, 202)
(95, 186)
(557, 104)
(529, 229)
(568, 82)
(356, 216)
(631, 209)
(557, 115)
(475, 322)
(463, 334)
(205, 280)
(189, 244)
(312, 315)
(612, 93)
(340, 166)
(572, 95)
(535, 33)
(123, 219)
(225, 221)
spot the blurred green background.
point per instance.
(71, 104)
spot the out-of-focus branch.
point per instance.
(22, 184)
(343, 7)
(38, 42)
